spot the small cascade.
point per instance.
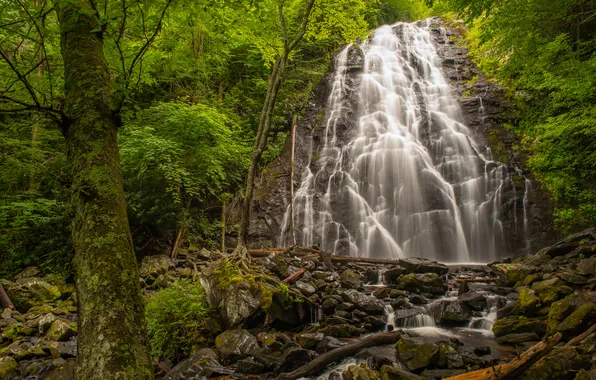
(390, 313)
(488, 318)
(396, 173)
(528, 188)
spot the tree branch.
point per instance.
(282, 20)
(21, 77)
(302, 30)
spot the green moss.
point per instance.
(415, 355)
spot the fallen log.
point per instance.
(297, 274)
(477, 279)
(321, 362)
(4, 299)
(517, 366)
(575, 341)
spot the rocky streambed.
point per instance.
(261, 326)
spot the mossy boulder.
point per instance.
(16, 331)
(153, 266)
(361, 372)
(529, 302)
(449, 357)
(550, 290)
(393, 373)
(26, 293)
(455, 313)
(349, 279)
(341, 330)
(422, 265)
(556, 365)
(422, 283)
(61, 331)
(8, 367)
(557, 312)
(513, 273)
(235, 344)
(519, 324)
(578, 321)
(416, 356)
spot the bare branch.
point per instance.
(21, 77)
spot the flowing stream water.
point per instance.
(408, 179)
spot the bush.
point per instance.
(176, 320)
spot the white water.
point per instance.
(409, 179)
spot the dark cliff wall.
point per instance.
(470, 87)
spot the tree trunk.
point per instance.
(292, 183)
(112, 340)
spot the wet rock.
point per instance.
(349, 279)
(160, 282)
(512, 273)
(571, 277)
(272, 340)
(345, 306)
(292, 358)
(235, 344)
(417, 299)
(455, 313)
(482, 350)
(45, 322)
(578, 321)
(249, 366)
(550, 290)
(474, 300)
(422, 283)
(363, 301)
(30, 292)
(371, 276)
(586, 375)
(515, 325)
(556, 365)
(382, 293)
(309, 341)
(587, 267)
(375, 322)
(61, 331)
(422, 265)
(329, 305)
(402, 315)
(207, 255)
(513, 339)
(28, 273)
(305, 288)
(529, 302)
(66, 371)
(361, 372)
(63, 349)
(448, 357)
(389, 372)
(416, 356)
(329, 343)
(392, 275)
(341, 330)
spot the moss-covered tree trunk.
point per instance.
(112, 341)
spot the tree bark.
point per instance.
(292, 183)
(112, 340)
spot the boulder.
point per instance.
(309, 341)
(45, 322)
(382, 293)
(416, 356)
(578, 321)
(572, 277)
(513, 339)
(235, 344)
(392, 275)
(587, 267)
(550, 290)
(341, 330)
(349, 279)
(329, 343)
(474, 300)
(512, 273)
(422, 265)
(556, 365)
(153, 266)
(361, 372)
(364, 302)
(28, 273)
(455, 313)
(65, 371)
(30, 292)
(394, 373)
(449, 357)
(8, 367)
(249, 366)
(422, 283)
(482, 350)
(305, 288)
(371, 276)
(515, 325)
(63, 349)
(61, 331)
(329, 305)
(529, 302)
(292, 358)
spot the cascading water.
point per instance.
(408, 179)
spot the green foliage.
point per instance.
(544, 52)
(176, 320)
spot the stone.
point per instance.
(482, 350)
(555, 365)
(587, 267)
(249, 366)
(28, 273)
(235, 344)
(153, 266)
(448, 357)
(529, 302)
(515, 324)
(558, 312)
(329, 305)
(341, 330)
(61, 331)
(207, 255)
(345, 306)
(571, 277)
(513, 339)
(393, 373)
(512, 273)
(292, 358)
(474, 300)
(586, 375)
(455, 313)
(549, 290)
(364, 302)
(392, 275)
(305, 288)
(45, 322)
(8, 367)
(329, 343)
(417, 299)
(30, 292)
(349, 279)
(361, 372)
(441, 373)
(309, 341)
(578, 321)
(382, 293)
(371, 276)
(416, 356)
(62, 349)
(422, 283)
(422, 265)
(185, 272)
(65, 371)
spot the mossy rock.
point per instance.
(557, 312)
(578, 321)
(416, 356)
(422, 283)
(235, 344)
(550, 290)
(393, 373)
(519, 324)
(16, 331)
(349, 279)
(556, 365)
(513, 273)
(8, 367)
(153, 266)
(61, 331)
(341, 331)
(30, 292)
(529, 301)
(361, 372)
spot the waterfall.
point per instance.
(396, 173)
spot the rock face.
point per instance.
(483, 110)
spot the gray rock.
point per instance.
(305, 288)
(329, 343)
(363, 301)
(455, 313)
(391, 276)
(293, 358)
(587, 267)
(309, 341)
(422, 265)
(349, 279)
(249, 366)
(517, 338)
(329, 305)
(235, 344)
(475, 300)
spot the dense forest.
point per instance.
(137, 127)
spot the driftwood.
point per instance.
(297, 274)
(477, 279)
(517, 366)
(4, 299)
(321, 362)
(575, 341)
